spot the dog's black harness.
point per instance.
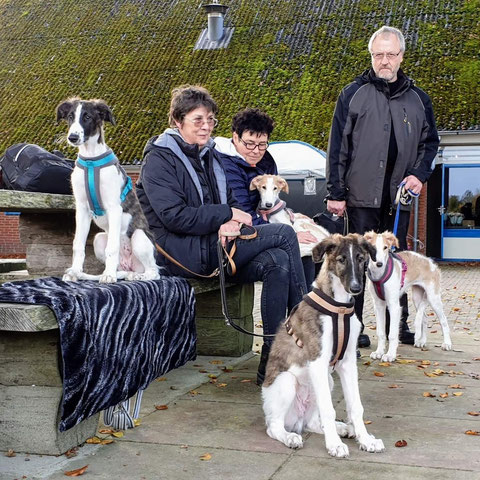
(91, 168)
(340, 313)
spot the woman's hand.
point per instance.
(241, 217)
(306, 237)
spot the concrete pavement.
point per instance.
(221, 420)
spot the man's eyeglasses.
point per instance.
(199, 121)
(390, 56)
(262, 146)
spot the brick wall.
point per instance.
(10, 245)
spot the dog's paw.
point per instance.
(447, 346)
(371, 444)
(377, 355)
(345, 430)
(107, 278)
(389, 357)
(70, 275)
(420, 343)
(339, 450)
(293, 440)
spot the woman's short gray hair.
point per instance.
(388, 31)
(187, 98)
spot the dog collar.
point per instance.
(91, 168)
(280, 205)
(379, 284)
(340, 314)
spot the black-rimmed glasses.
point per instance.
(262, 146)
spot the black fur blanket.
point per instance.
(115, 338)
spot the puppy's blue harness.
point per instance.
(91, 168)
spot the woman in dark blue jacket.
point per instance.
(184, 193)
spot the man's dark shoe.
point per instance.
(262, 366)
(363, 340)
(405, 335)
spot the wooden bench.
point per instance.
(30, 383)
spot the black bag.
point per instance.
(330, 222)
(31, 168)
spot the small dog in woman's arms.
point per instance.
(390, 275)
(320, 335)
(104, 192)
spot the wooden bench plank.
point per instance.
(17, 201)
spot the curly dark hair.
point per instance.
(187, 98)
(252, 120)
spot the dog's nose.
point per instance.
(355, 289)
(379, 264)
(269, 205)
(73, 137)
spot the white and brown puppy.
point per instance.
(298, 382)
(104, 192)
(274, 210)
(390, 276)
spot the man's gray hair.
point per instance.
(388, 31)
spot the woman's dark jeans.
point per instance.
(273, 257)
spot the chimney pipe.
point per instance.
(215, 13)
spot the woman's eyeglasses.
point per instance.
(199, 121)
(252, 145)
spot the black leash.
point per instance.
(222, 264)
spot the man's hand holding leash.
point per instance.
(413, 184)
(337, 207)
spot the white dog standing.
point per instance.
(273, 209)
(320, 334)
(104, 192)
(390, 276)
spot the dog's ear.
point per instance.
(63, 109)
(104, 111)
(283, 185)
(368, 248)
(325, 246)
(370, 236)
(255, 182)
(390, 239)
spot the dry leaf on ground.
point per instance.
(443, 395)
(384, 364)
(162, 379)
(456, 385)
(428, 394)
(93, 440)
(246, 380)
(10, 453)
(73, 452)
(77, 472)
(161, 407)
(472, 432)
(106, 431)
(404, 361)
(118, 434)
(379, 374)
(474, 414)
(401, 443)
(367, 422)
(221, 385)
(205, 456)
(394, 386)
(457, 394)
(216, 362)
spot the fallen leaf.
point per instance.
(455, 309)
(77, 472)
(394, 386)
(93, 440)
(472, 432)
(203, 371)
(367, 363)
(10, 453)
(106, 431)
(137, 422)
(476, 359)
(422, 367)
(443, 395)
(73, 452)
(456, 385)
(107, 441)
(162, 379)
(436, 364)
(428, 394)
(213, 376)
(457, 394)
(401, 443)
(426, 362)
(379, 374)
(246, 380)
(384, 364)
(474, 414)
(404, 362)
(193, 392)
(221, 385)
(451, 364)
(216, 362)
(367, 422)
(428, 374)
(205, 456)
(227, 369)
(184, 446)
(161, 407)
(433, 331)
(372, 327)
(439, 371)
(118, 434)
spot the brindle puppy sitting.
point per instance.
(320, 334)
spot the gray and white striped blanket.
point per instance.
(115, 338)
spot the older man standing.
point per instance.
(383, 133)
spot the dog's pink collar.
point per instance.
(379, 285)
(280, 205)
